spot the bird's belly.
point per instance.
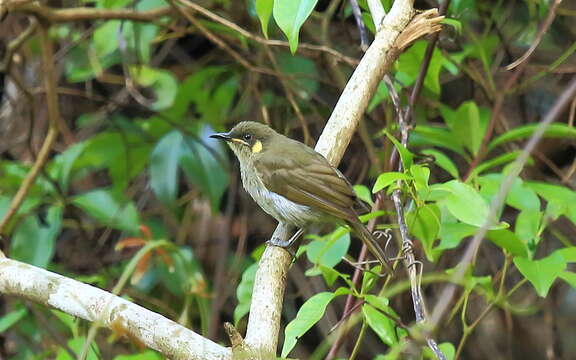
(278, 206)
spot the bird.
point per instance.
(294, 184)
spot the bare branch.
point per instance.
(90, 303)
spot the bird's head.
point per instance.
(247, 139)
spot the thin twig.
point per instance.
(543, 28)
(53, 119)
(360, 24)
(51, 15)
(214, 17)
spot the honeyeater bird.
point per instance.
(293, 183)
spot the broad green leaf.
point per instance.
(464, 202)
(424, 224)
(264, 11)
(405, 155)
(382, 325)
(62, 165)
(363, 194)
(497, 161)
(329, 250)
(569, 277)
(527, 226)
(508, 241)
(408, 66)
(303, 71)
(467, 123)
(541, 273)
(244, 293)
(11, 318)
(443, 162)
(424, 135)
(386, 179)
(109, 208)
(308, 315)
(290, 16)
(522, 197)
(204, 162)
(162, 82)
(561, 198)
(34, 239)
(451, 234)
(123, 154)
(164, 164)
(106, 38)
(568, 253)
(555, 130)
(421, 175)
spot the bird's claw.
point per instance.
(284, 244)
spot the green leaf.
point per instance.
(555, 130)
(205, 164)
(363, 193)
(522, 197)
(421, 176)
(34, 239)
(451, 234)
(244, 293)
(560, 198)
(508, 241)
(541, 273)
(464, 202)
(164, 163)
(386, 179)
(308, 315)
(436, 136)
(109, 208)
(527, 226)
(569, 277)
(466, 124)
(62, 165)
(381, 324)
(329, 250)
(568, 253)
(106, 38)
(409, 62)
(424, 224)
(123, 154)
(290, 16)
(11, 318)
(497, 161)
(264, 11)
(405, 155)
(162, 82)
(443, 161)
(302, 73)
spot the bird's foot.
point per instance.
(286, 244)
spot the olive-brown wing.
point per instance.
(308, 180)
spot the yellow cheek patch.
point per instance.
(257, 147)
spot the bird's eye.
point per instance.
(247, 137)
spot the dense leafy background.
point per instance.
(134, 173)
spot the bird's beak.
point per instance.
(221, 136)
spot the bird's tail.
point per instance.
(372, 245)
